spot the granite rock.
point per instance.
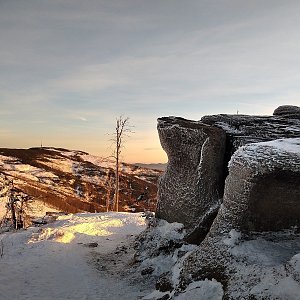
(193, 180)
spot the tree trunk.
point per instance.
(13, 213)
(117, 184)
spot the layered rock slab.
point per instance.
(193, 181)
(288, 111)
(244, 129)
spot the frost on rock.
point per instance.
(262, 190)
(251, 244)
(233, 239)
(199, 151)
(243, 129)
(193, 181)
(257, 266)
(160, 251)
(251, 248)
(206, 289)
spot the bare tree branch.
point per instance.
(122, 130)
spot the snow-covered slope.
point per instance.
(63, 260)
(74, 181)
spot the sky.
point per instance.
(69, 68)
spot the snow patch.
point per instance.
(233, 239)
(284, 288)
(206, 289)
(283, 153)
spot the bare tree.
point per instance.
(122, 130)
(15, 202)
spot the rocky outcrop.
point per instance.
(262, 190)
(242, 129)
(192, 187)
(193, 180)
(252, 237)
(262, 196)
(287, 111)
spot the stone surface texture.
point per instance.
(192, 187)
(289, 111)
(262, 190)
(251, 163)
(260, 214)
(193, 180)
(243, 129)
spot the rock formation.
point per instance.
(262, 190)
(262, 195)
(192, 187)
(234, 182)
(243, 129)
(288, 111)
(193, 181)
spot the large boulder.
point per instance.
(287, 111)
(193, 181)
(192, 187)
(262, 190)
(250, 242)
(247, 244)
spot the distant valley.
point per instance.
(73, 181)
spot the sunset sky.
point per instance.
(68, 68)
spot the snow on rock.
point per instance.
(251, 247)
(244, 129)
(233, 239)
(206, 289)
(281, 153)
(198, 153)
(262, 265)
(160, 250)
(279, 288)
(155, 246)
(262, 190)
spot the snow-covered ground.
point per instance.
(60, 260)
(91, 256)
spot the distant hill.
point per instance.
(73, 181)
(159, 166)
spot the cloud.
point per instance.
(74, 64)
(82, 119)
